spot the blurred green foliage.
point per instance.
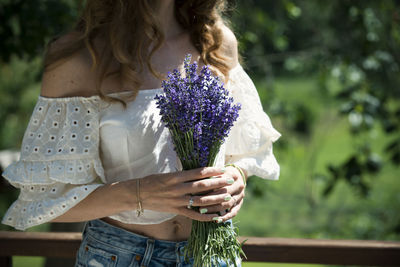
(26, 27)
(294, 205)
(356, 42)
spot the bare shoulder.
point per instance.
(229, 45)
(71, 76)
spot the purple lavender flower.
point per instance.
(198, 112)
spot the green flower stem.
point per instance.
(209, 242)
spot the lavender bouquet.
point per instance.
(199, 114)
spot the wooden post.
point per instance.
(6, 261)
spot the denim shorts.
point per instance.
(105, 245)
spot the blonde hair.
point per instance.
(129, 26)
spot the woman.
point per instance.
(95, 149)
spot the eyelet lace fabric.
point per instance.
(74, 145)
(59, 163)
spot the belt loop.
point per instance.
(84, 229)
(178, 254)
(148, 253)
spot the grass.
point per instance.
(19, 261)
(294, 207)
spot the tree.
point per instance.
(25, 29)
(356, 41)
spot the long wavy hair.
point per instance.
(128, 27)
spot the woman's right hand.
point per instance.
(171, 192)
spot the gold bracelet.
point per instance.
(139, 210)
(240, 170)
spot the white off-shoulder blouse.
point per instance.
(73, 145)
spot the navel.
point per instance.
(177, 226)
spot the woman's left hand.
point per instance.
(230, 207)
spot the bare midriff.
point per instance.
(175, 229)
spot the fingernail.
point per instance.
(217, 219)
(230, 180)
(223, 169)
(204, 210)
(227, 198)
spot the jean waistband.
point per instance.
(131, 242)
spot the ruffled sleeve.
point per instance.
(249, 144)
(59, 163)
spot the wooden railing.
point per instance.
(289, 250)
